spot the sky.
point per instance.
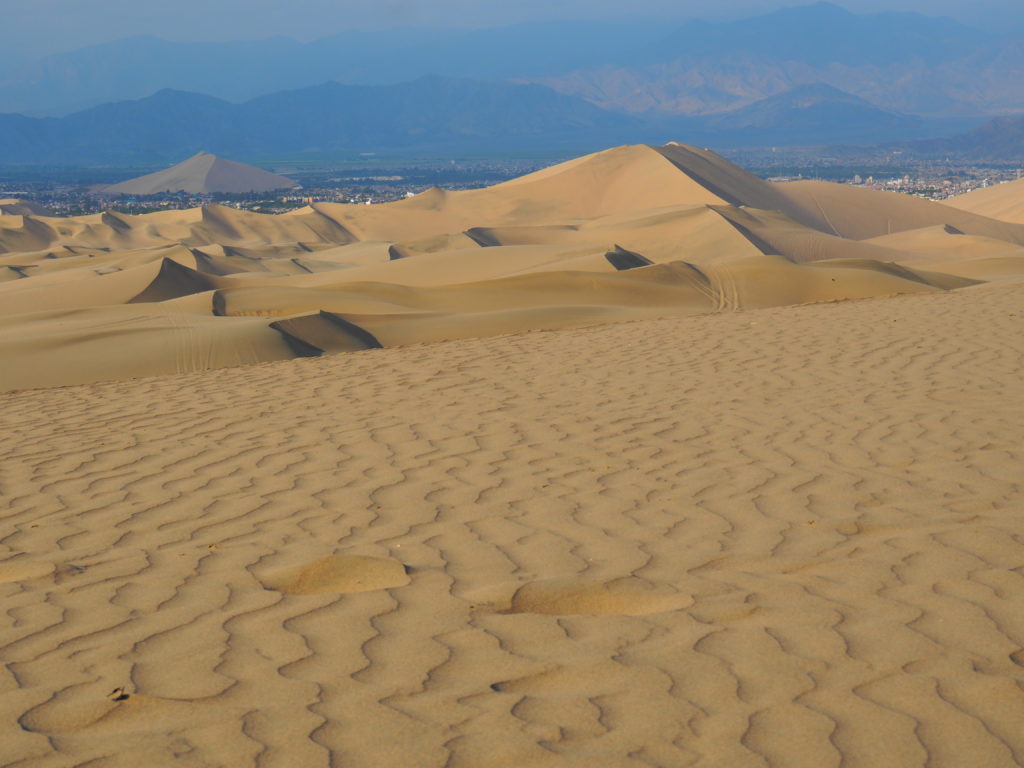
(32, 28)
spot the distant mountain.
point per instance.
(203, 173)
(140, 66)
(998, 140)
(430, 114)
(902, 62)
(815, 113)
(822, 34)
(237, 71)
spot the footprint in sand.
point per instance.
(338, 574)
(627, 596)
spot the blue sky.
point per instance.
(45, 26)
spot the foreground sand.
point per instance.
(787, 537)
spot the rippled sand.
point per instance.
(785, 537)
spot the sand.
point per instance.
(1001, 201)
(16, 207)
(634, 232)
(203, 173)
(786, 537)
(516, 477)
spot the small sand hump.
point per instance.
(629, 596)
(339, 574)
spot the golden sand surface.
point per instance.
(787, 537)
(1002, 201)
(635, 461)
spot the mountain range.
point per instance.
(900, 62)
(239, 71)
(430, 115)
(809, 76)
(999, 140)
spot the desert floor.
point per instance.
(784, 537)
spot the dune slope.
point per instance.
(1002, 201)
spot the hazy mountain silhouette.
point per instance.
(811, 113)
(432, 113)
(821, 34)
(1000, 140)
(428, 116)
(236, 71)
(902, 62)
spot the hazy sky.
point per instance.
(44, 26)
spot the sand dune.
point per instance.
(1002, 201)
(674, 533)
(946, 249)
(858, 213)
(203, 174)
(630, 233)
(15, 207)
(781, 538)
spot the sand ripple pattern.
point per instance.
(782, 538)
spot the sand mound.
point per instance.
(1002, 201)
(172, 282)
(14, 207)
(313, 335)
(858, 214)
(628, 596)
(203, 174)
(630, 233)
(339, 574)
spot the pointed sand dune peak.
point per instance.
(204, 174)
(615, 181)
(644, 177)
